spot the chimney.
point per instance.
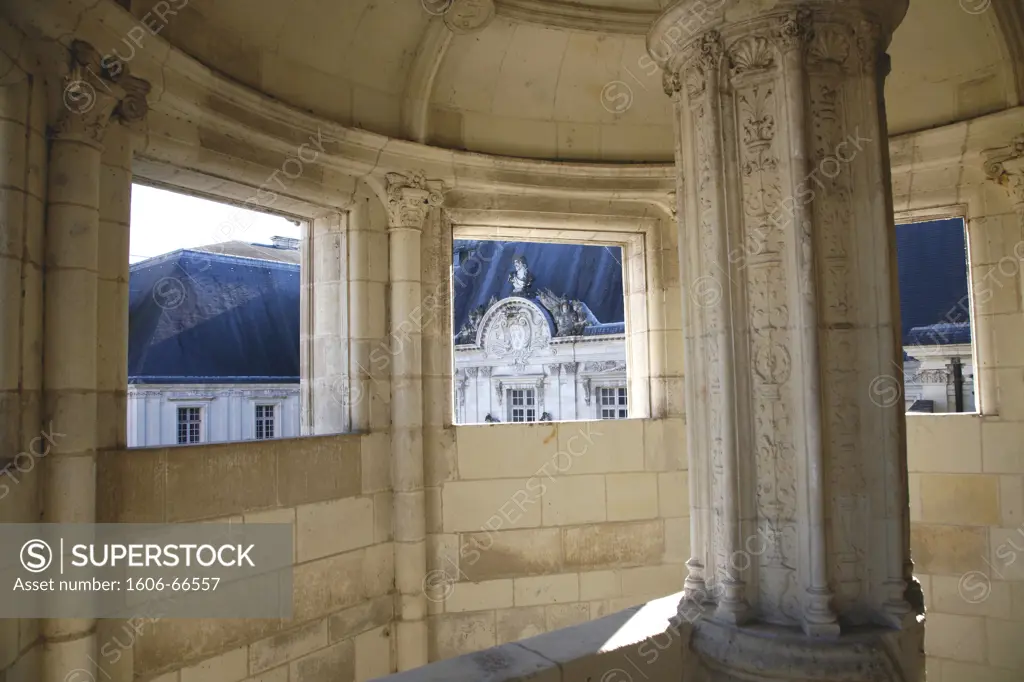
(289, 243)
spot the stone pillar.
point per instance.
(409, 199)
(327, 307)
(798, 467)
(112, 289)
(91, 100)
(22, 196)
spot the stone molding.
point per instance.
(577, 17)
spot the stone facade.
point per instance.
(227, 413)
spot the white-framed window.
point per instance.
(613, 402)
(266, 421)
(522, 405)
(190, 425)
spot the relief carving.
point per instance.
(752, 53)
(95, 92)
(514, 331)
(409, 197)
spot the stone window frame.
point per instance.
(980, 333)
(637, 236)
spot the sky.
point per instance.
(163, 221)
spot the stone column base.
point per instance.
(769, 653)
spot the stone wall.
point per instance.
(966, 472)
(334, 490)
(547, 525)
(967, 512)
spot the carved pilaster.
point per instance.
(95, 93)
(409, 197)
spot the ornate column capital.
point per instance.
(409, 197)
(96, 91)
(1005, 166)
(795, 29)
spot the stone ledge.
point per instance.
(638, 639)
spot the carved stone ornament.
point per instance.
(95, 92)
(410, 196)
(751, 53)
(795, 29)
(513, 331)
(1005, 166)
(520, 277)
(671, 83)
(570, 315)
(604, 366)
(930, 376)
(468, 16)
(586, 391)
(469, 330)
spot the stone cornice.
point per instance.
(576, 17)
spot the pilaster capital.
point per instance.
(690, 35)
(795, 29)
(1005, 166)
(409, 197)
(94, 92)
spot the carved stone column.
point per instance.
(409, 198)
(798, 470)
(90, 99)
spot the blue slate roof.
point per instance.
(200, 317)
(932, 259)
(591, 274)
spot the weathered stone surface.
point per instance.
(512, 553)
(613, 545)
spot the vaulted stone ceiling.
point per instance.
(561, 79)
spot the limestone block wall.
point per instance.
(966, 472)
(967, 514)
(544, 526)
(334, 490)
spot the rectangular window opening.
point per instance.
(539, 331)
(190, 425)
(214, 317)
(936, 314)
(265, 422)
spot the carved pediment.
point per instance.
(514, 331)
